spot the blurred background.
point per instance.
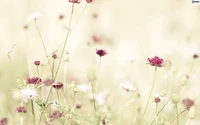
(130, 31)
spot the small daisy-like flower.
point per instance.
(188, 103)
(101, 52)
(21, 109)
(48, 82)
(34, 16)
(57, 85)
(55, 115)
(28, 93)
(75, 1)
(33, 80)
(128, 86)
(83, 88)
(155, 61)
(89, 1)
(37, 63)
(3, 121)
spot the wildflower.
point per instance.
(155, 61)
(157, 100)
(37, 63)
(97, 39)
(83, 88)
(188, 103)
(75, 1)
(55, 115)
(21, 109)
(101, 52)
(48, 82)
(195, 56)
(34, 16)
(61, 17)
(128, 86)
(89, 1)
(175, 98)
(28, 93)
(78, 105)
(3, 121)
(101, 98)
(33, 80)
(57, 85)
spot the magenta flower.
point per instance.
(21, 109)
(78, 105)
(57, 85)
(37, 63)
(195, 56)
(55, 115)
(33, 80)
(157, 100)
(3, 121)
(155, 61)
(188, 103)
(75, 1)
(101, 52)
(89, 1)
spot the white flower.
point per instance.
(28, 93)
(101, 98)
(34, 16)
(128, 86)
(83, 88)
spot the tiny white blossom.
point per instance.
(28, 93)
(34, 16)
(128, 86)
(101, 98)
(83, 88)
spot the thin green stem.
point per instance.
(65, 41)
(93, 91)
(43, 45)
(149, 94)
(177, 114)
(33, 112)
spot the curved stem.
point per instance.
(149, 95)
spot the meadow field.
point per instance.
(99, 62)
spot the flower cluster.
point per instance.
(21, 109)
(155, 61)
(101, 52)
(33, 80)
(3, 121)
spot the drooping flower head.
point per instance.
(28, 93)
(155, 61)
(101, 52)
(34, 16)
(75, 1)
(188, 103)
(21, 109)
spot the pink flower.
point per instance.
(157, 100)
(3, 121)
(155, 61)
(195, 56)
(55, 115)
(188, 103)
(57, 85)
(89, 1)
(78, 105)
(75, 1)
(101, 52)
(97, 39)
(33, 80)
(37, 63)
(21, 109)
